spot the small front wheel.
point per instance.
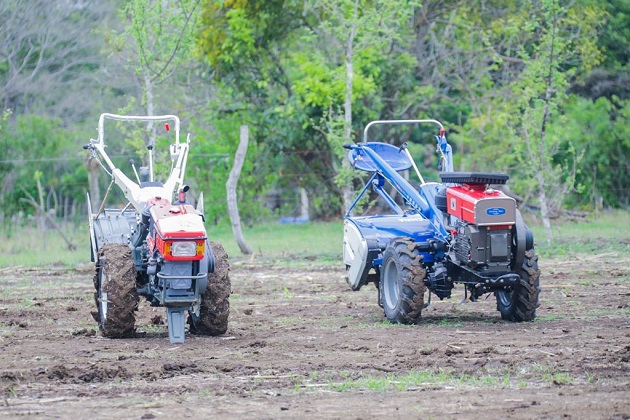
(401, 286)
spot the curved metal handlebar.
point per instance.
(397, 122)
(116, 117)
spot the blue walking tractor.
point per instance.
(460, 230)
(155, 247)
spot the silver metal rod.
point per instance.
(398, 122)
(414, 166)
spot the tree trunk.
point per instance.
(94, 168)
(230, 186)
(304, 204)
(542, 162)
(347, 107)
(544, 208)
(40, 210)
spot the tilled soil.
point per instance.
(300, 344)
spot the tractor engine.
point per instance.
(178, 261)
(482, 248)
(483, 221)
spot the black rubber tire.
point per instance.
(214, 310)
(401, 285)
(116, 295)
(519, 304)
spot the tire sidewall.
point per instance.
(390, 259)
(520, 304)
(402, 275)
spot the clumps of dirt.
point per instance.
(84, 332)
(178, 367)
(10, 377)
(104, 374)
(258, 344)
(170, 370)
(157, 320)
(59, 372)
(92, 374)
(624, 354)
(20, 323)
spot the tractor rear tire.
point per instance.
(401, 285)
(116, 295)
(520, 303)
(215, 305)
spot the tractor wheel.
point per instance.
(215, 305)
(116, 295)
(401, 286)
(520, 304)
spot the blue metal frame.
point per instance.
(384, 171)
(424, 221)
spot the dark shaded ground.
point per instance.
(300, 343)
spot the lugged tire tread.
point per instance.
(122, 296)
(525, 296)
(411, 294)
(215, 304)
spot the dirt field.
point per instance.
(302, 344)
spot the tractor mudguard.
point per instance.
(380, 230)
(113, 226)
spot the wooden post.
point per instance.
(230, 186)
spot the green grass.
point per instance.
(300, 244)
(409, 381)
(344, 381)
(30, 247)
(295, 244)
(605, 232)
(321, 240)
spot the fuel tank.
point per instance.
(481, 206)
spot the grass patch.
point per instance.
(417, 380)
(152, 329)
(299, 245)
(279, 244)
(289, 320)
(301, 242)
(408, 381)
(29, 247)
(600, 233)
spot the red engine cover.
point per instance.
(177, 221)
(481, 206)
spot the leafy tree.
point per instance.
(157, 40)
(40, 142)
(49, 56)
(552, 46)
(347, 30)
(600, 131)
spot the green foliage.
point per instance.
(37, 142)
(600, 131)
(497, 73)
(615, 34)
(524, 127)
(162, 34)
